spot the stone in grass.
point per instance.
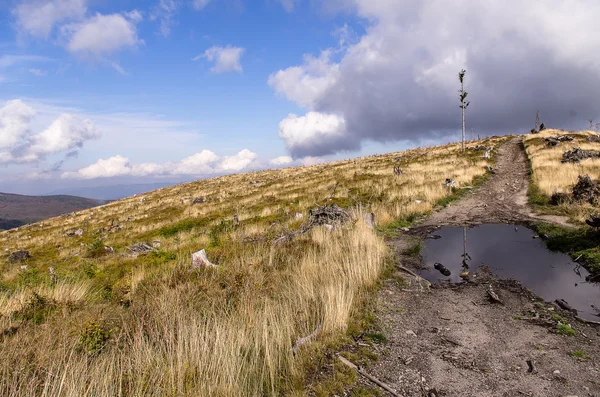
(199, 260)
(19, 256)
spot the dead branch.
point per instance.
(306, 339)
(369, 377)
(331, 215)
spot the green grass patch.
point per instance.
(565, 329)
(36, 310)
(536, 197)
(391, 229)
(96, 249)
(582, 243)
(579, 354)
(415, 249)
(458, 193)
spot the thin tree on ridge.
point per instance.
(463, 102)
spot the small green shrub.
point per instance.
(30, 277)
(565, 329)
(93, 336)
(36, 309)
(415, 249)
(96, 249)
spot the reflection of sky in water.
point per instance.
(513, 254)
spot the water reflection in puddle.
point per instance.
(511, 252)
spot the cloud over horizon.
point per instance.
(204, 162)
(19, 144)
(399, 80)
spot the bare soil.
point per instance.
(501, 199)
(453, 341)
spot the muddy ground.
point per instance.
(453, 341)
(501, 199)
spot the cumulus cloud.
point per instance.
(39, 17)
(307, 83)
(102, 35)
(399, 80)
(64, 134)
(239, 161)
(225, 59)
(18, 144)
(314, 134)
(281, 160)
(201, 163)
(114, 166)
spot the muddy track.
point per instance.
(501, 199)
(452, 341)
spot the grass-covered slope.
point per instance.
(550, 176)
(79, 319)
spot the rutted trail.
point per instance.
(501, 199)
(451, 341)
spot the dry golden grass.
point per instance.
(150, 326)
(549, 173)
(552, 176)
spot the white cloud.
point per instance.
(313, 133)
(281, 160)
(288, 5)
(18, 144)
(65, 133)
(398, 81)
(38, 17)
(200, 4)
(165, 11)
(306, 84)
(37, 72)
(15, 117)
(201, 163)
(113, 166)
(239, 161)
(225, 59)
(102, 35)
(311, 160)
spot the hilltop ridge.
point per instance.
(17, 210)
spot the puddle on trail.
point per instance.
(512, 252)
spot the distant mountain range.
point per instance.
(112, 192)
(17, 210)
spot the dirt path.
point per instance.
(502, 199)
(451, 341)
(457, 343)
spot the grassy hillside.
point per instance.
(550, 176)
(16, 209)
(78, 319)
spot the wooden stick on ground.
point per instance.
(369, 377)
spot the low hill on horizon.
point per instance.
(17, 209)
(111, 192)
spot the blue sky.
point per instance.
(96, 92)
